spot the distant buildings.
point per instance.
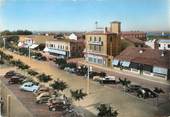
(102, 46)
(134, 34)
(164, 44)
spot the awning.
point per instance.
(56, 51)
(160, 70)
(125, 64)
(115, 62)
(34, 46)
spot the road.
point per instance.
(127, 106)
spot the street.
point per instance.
(127, 106)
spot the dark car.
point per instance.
(146, 93)
(10, 74)
(133, 88)
(15, 80)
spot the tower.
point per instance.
(115, 27)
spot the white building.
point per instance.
(72, 36)
(164, 44)
(151, 43)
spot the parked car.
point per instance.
(132, 88)
(29, 86)
(15, 80)
(9, 74)
(158, 90)
(108, 80)
(41, 90)
(43, 97)
(146, 93)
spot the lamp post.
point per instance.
(29, 52)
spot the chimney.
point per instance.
(105, 30)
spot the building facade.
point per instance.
(145, 61)
(164, 44)
(102, 46)
(65, 48)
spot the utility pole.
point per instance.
(29, 52)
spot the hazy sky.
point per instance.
(56, 15)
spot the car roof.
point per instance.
(28, 83)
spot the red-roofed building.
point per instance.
(145, 61)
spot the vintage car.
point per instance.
(29, 86)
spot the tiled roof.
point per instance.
(99, 33)
(148, 56)
(132, 32)
(135, 40)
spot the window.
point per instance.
(99, 48)
(110, 39)
(94, 38)
(90, 38)
(168, 45)
(99, 39)
(90, 47)
(94, 47)
(99, 61)
(94, 60)
(159, 45)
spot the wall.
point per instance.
(12, 106)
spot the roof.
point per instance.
(164, 41)
(132, 32)
(37, 38)
(99, 33)
(135, 40)
(148, 56)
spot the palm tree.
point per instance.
(106, 111)
(32, 72)
(124, 83)
(78, 94)
(59, 85)
(44, 78)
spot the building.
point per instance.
(33, 40)
(151, 43)
(102, 46)
(145, 61)
(163, 44)
(134, 34)
(65, 48)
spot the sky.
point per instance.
(81, 15)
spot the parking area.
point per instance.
(26, 100)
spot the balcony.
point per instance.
(96, 43)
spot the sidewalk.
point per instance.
(123, 72)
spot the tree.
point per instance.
(78, 94)
(44, 78)
(59, 85)
(23, 66)
(106, 111)
(124, 83)
(32, 72)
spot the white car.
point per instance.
(29, 86)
